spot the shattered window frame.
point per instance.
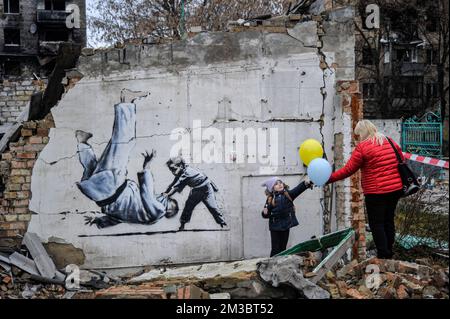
(55, 5)
(11, 37)
(11, 6)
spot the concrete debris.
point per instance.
(24, 263)
(203, 272)
(154, 290)
(38, 277)
(5, 266)
(388, 279)
(20, 285)
(286, 270)
(30, 291)
(288, 276)
(43, 262)
(238, 279)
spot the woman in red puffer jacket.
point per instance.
(380, 181)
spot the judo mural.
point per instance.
(122, 200)
(105, 180)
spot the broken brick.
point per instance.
(353, 293)
(365, 292)
(20, 172)
(412, 287)
(35, 140)
(392, 279)
(191, 292)
(18, 164)
(387, 293)
(431, 292)
(43, 132)
(402, 292)
(342, 286)
(405, 267)
(334, 291)
(26, 132)
(26, 155)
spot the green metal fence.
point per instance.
(423, 136)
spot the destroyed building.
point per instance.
(402, 65)
(30, 32)
(407, 49)
(280, 80)
(289, 78)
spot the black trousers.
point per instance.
(381, 213)
(205, 195)
(279, 241)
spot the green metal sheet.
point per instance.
(324, 242)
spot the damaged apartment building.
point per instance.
(280, 80)
(30, 34)
(402, 67)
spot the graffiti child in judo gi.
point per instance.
(202, 190)
(105, 180)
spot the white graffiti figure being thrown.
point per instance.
(105, 180)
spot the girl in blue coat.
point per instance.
(280, 211)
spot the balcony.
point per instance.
(11, 48)
(404, 69)
(52, 17)
(412, 69)
(49, 47)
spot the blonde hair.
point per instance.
(367, 130)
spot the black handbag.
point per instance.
(409, 179)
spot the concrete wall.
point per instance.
(391, 128)
(245, 80)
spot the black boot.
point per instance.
(222, 225)
(181, 227)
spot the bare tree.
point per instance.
(115, 21)
(214, 15)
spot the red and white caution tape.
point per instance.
(426, 160)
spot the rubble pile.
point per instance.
(388, 279)
(222, 280)
(19, 285)
(31, 274)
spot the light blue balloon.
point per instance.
(319, 171)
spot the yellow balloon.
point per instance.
(310, 150)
